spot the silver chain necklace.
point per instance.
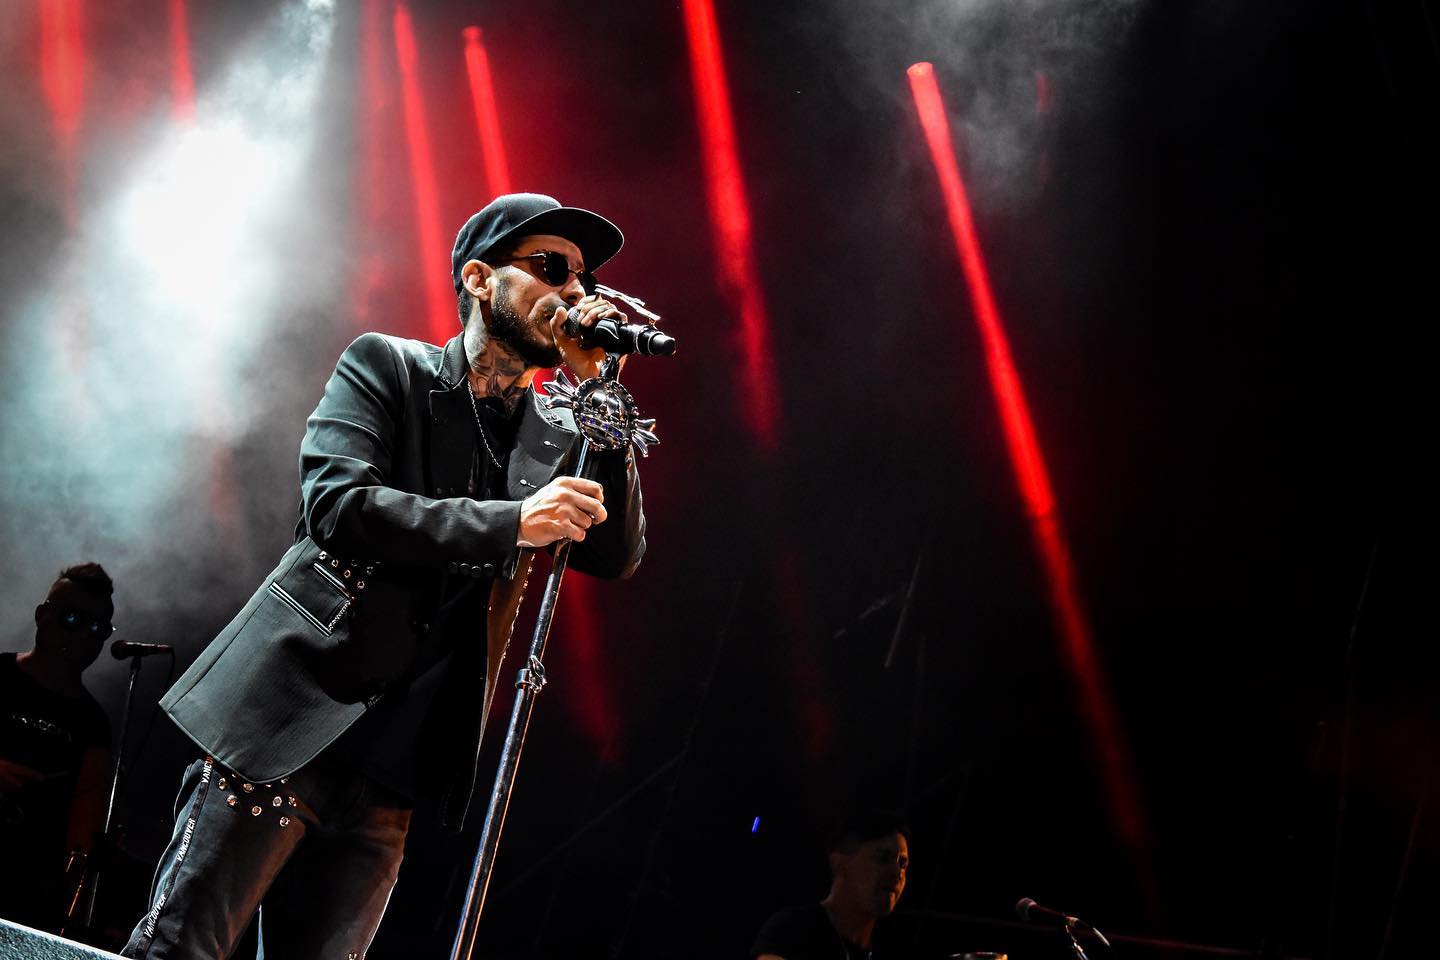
(475, 409)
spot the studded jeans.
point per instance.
(317, 854)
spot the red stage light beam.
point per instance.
(593, 705)
(812, 710)
(1032, 476)
(441, 319)
(62, 77)
(737, 273)
(487, 118)
(378, 121)
(182, 80)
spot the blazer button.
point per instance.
(475, 572)
(489, 569)
(452, 566)
(465, 568)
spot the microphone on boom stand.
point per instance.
(122, 649)
(80, 915)
(1031, 912)
(608, 421)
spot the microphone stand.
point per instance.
(605, 414)
(1075, 948)
(91, 879)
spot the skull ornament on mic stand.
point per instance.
(608, 421)
(604, 411)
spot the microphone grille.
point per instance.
(1022, 908)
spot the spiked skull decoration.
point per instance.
(605, 413)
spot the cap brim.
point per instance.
(597, 238)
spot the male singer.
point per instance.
(351, 683)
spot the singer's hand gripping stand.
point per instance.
(608, 421)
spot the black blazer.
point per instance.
(385, 520)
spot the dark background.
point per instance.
(1213, 251)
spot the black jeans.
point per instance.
(316, 853)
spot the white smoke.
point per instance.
(992, 59)
(132, 362)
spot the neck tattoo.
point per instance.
(498, 372)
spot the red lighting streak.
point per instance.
(730, 217)
(487, 119)
(592, 705)
(62, 77)
(62, 63)
(182, 81)
(813, 712)
(1030, 470)
(1044, 98)
(441, 318)
(374, 113)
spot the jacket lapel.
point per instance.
(542, 442)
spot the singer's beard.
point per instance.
(519, 333)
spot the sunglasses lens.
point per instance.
(556, 269)
(588, 282)
(74, 621)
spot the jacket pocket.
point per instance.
(315, 594)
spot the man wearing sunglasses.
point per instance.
(54, 747)
(356, 681)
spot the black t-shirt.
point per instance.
(805, 933)
(395, 740)
(49, 732)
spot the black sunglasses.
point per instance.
(555, 269)
(73, 619)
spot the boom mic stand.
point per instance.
(606, 415)
(89, 886)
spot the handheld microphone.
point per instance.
(1031, 912)
(121, 649)
(616, 337)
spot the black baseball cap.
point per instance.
(515, 215)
